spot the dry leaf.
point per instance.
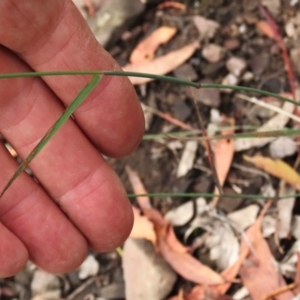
(145, 50)
(285, 212)
(186, 265)
(224, 151)
(277, 168)
(229, 275)
(259, 273)
(138, 188)
(187, 158)
(172, 4)
(276, 123)
(142, 227)
(168, 245)
(163, 64)
(265, 28)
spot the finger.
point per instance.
(34, 223)
(52, 35)
(13, 254)
(69, 167)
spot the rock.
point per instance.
(207, 28)
(209, 97)
(244, 217)
(282, 147)
(45, 286)
(186, 71)
(248, 76)
(229, 79)
(259, 63)
(113, 291)
(232, 44)
(273, 6)
(212, 70)
(228, 204)
(146, 274)
(181, 214)
(213, 53)
(236, 65)
(108, 23)
(273, 85)
(181, 110)
(90, 267)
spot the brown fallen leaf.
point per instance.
(266, 29)
(185, 264)
(259, 273)
(277, 168)
(172, 4)
(138, 188)
(142, 227)
(223, 153)
(174, 252)
(229, 275)
(163, 64)
(145, 50)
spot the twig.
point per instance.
(279, 291)
(279, 40)
(90, 7)
(210, 155)
(170, 118)
(269, 106)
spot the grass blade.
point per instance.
(146, 75)
(212, 195)
(52, 131)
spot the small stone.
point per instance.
(207, 28)
(273, 6)
(186, 71)
(209, 97)
(290, 29)
(147, 275)
(283, 147)
(236, 65)
(232, 44)
(212, 70)
(213, 53)
(248, 76)
(273, 85)
(90, 267)
(229, 79)
(242, 28)
(181, 110)
(226, 204)
(259, 63)
(45, 285)
(245, 216)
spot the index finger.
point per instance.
(56, 37)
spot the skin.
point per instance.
(77, 201)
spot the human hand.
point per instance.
(78, 201)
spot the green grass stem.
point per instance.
(53, 130)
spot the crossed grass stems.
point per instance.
(94, 81)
